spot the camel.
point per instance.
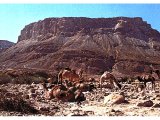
(55, 91)
(69, 75)
(60, 92)
(147, 78)
(84, 87)
(150, 77)
(108, 76)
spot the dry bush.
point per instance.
(26, 79)
(23, 77)
(15, 103)
(20, 76)
(4, 78)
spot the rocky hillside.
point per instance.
(4, 44)
(125, 45)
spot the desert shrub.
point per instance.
(26, 79)
(4, 78)
(23, 77)
(16, 103)
(42, 74)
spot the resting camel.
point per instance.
(69, 75)
(108, 76)
(53, 91)
(150, 77)
(64, 94)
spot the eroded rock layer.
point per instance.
(93, 44)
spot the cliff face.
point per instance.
(4, 44)
(93, 44)
(68, 27)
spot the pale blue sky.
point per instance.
(14, 17)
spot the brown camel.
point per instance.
(54, 91)
(108, 76)
(60, 92)
(69, 75)
(149, 77)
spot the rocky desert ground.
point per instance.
(109, 102)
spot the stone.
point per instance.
(8, 94)
(44, 108)
(156, 105)
(32, 90)
(32, 95)
(147, 103)
(114, 98)
(26, 96)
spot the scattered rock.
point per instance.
(32, 95)
(114, 112)
(156, 105)
(26, 96)
(8, 94)
(32, 90)
(156, 91)
(157, 97)
(144, 98)
(57, 107)
(134, 96)
(147, 103)
(44, 108)
(89, 113)
(114, 99)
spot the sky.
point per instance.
(14, 17)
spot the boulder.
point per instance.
(147, 103)
(42, 108)
(114, 98)
(156, 105)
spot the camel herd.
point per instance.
(71, 85)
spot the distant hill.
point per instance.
(4, 44)
(122, 44)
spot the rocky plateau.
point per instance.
(92, 44)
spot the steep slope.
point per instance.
(93, 44)
(4, 44)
